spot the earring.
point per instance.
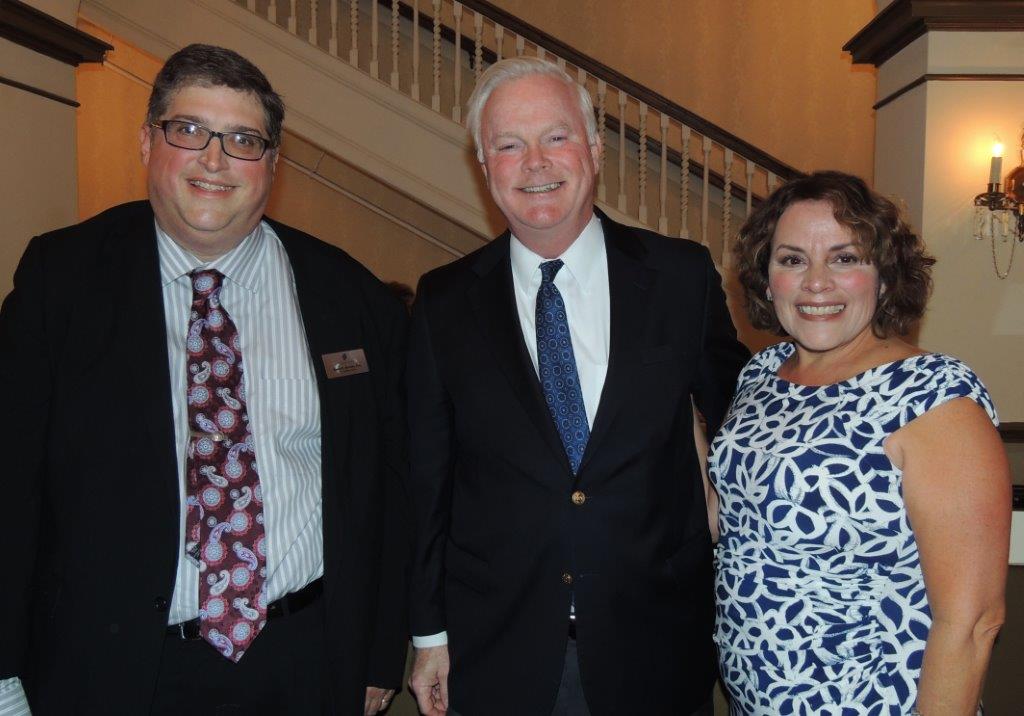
(768, 294)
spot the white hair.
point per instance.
(514, 68)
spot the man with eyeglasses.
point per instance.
(204, 440)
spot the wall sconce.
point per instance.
(999, 215)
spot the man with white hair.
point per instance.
(563, 558)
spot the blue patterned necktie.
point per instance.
(556, 365)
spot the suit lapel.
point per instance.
(493, 302)
(133, 250)
(629, 283)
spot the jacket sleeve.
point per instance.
(722, 356)
(25, 384)
(431, 454)
(386, 666)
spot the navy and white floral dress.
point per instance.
(822, 607)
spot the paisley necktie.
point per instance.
(224, 523)
(556, 366)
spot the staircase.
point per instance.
(382, 85)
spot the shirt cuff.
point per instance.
(12, 698)
(425, 642)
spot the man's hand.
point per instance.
(377, 700)
(429, 680)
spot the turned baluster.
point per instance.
(727, 208)
(602, 130)
(353, 25)
(394, 44)
(684, 185)
(435, 100)
(457, 62)
(312, 35)
(642, 166)
(415, 88)
(374, 41)
(332, 44)
(663, 189)
(622, 151)
(478, 46)
(705, 194)
(750, 185)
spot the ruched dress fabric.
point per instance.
(821, 603)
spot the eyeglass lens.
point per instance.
(189, 135)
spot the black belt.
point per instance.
(288, 604)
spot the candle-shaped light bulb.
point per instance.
(995, 174)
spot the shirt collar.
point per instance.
(580, 259)
(240, 265)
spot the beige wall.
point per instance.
(113, 96)
(933, 150)
(37, 186)
(64, 10)
(769, 71)
(973, 314)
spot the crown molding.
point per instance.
(904, 21)
(25, 25)
(1012, 432)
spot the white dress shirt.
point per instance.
(583, 283)
(283, 406)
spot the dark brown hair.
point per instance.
(210, 66)
(884, 238)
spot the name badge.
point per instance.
(345, 363)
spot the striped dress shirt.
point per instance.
(282, 401)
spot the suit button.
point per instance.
(160, 604)
(578, 498)
(567, 578)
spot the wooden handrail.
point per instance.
(634, 89)
(593, 67)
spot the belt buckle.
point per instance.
(186, 630)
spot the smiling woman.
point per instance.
(842, 584)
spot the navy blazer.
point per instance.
(501, 542)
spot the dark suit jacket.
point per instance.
(89, 511)
(500, 542)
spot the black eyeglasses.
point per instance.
(189, 135)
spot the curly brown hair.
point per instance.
(879, 230)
